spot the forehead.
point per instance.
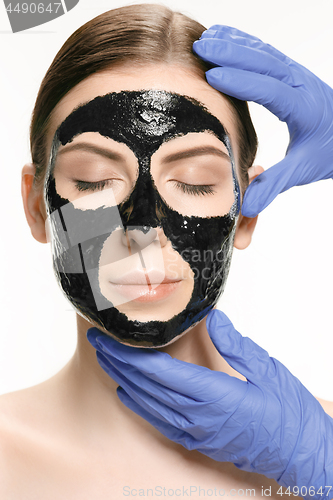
(142, 119)
(172, 78)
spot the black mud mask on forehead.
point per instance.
(82, 235)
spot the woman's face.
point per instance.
(143, 199)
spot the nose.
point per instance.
(139, 237)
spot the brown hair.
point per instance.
(142, 33)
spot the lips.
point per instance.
(141, 277)
(145, 286)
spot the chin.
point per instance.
(144, 344)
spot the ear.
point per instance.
(246, 225)
(33, 203)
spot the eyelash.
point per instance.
(92, 186)
(195, 189)
(192, 189)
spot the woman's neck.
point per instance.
(90, 393)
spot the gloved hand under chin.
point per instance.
(250, 70)
(270, 424)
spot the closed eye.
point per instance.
(93, 186)
(195, 189)
(192, 189)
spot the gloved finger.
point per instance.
(180, 384)
(241, 38)
(276, 96)
(222, 30)
(132, 355)
(168, 430)
(277, 179)
(226, 53)
(92, 334)
(232, 427)
(169, 397)
(267, 186)
(232, 430)
(241, 353)
(229, 391)
(128, 354)
(149, 403)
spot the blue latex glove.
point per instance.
(270, 424)
(251, 70)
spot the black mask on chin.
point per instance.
(143, 120)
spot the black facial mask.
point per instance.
(143, 121)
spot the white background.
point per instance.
(279, 291)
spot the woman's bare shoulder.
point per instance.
(13, 408)
(23, 414)
(17, 413)
(27, 442)
(26, 415)
(17, 407)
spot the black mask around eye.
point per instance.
(143, 121)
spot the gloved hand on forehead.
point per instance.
(269, 424)
(248, 69)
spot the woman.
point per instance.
(76, 438)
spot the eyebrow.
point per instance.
(112, 155)
(84, 146)
(198, 151)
